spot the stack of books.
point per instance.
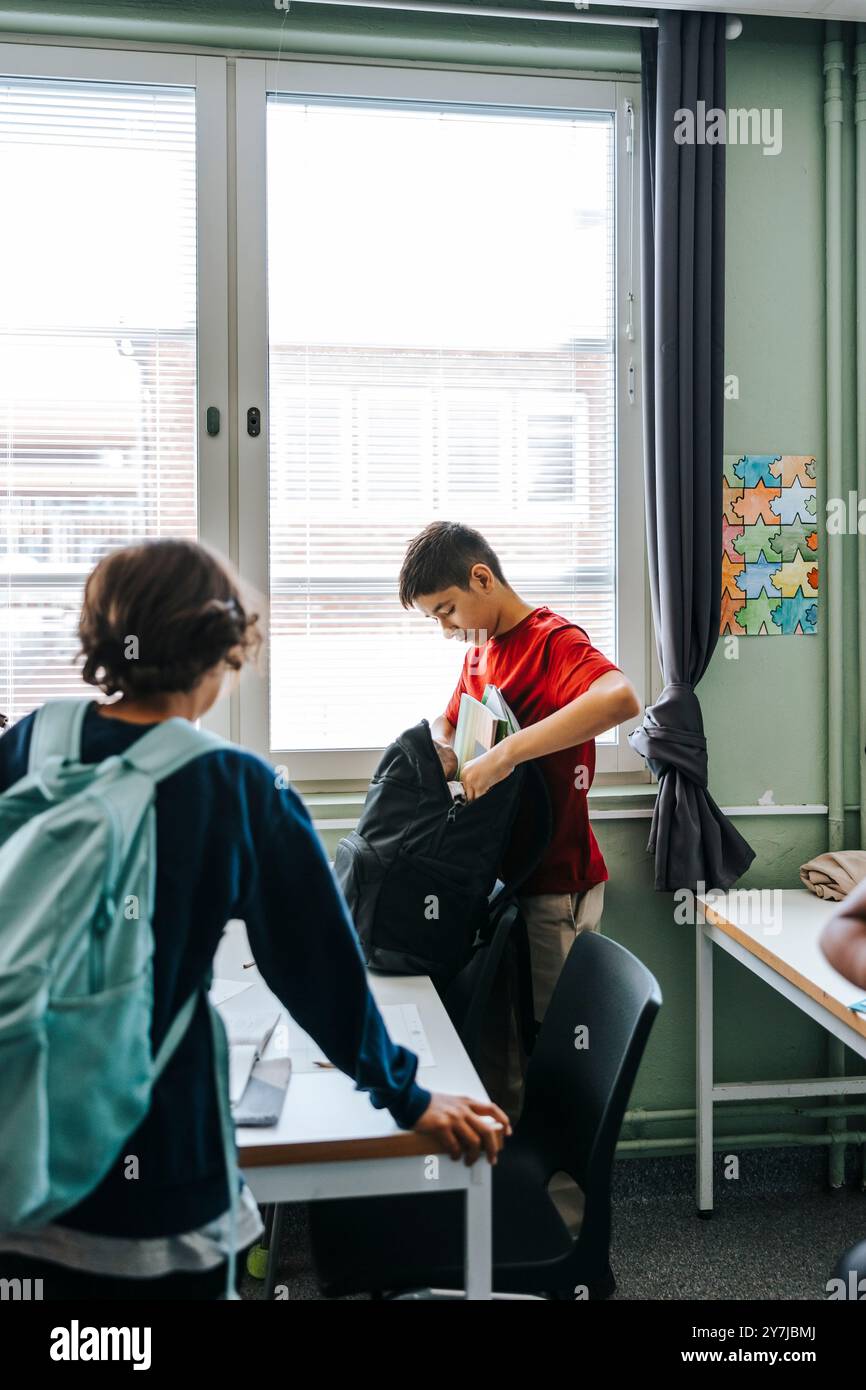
(481, 724)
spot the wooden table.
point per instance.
(774, 933)
(331, 1142)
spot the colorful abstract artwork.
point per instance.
(769, 545)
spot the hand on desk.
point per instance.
(458, 1123)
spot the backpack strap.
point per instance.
(159, 752)
(169, 747)
(56, 731)
(175, 1035)
(227, 1128)
(168, 1047)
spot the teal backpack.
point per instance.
(77, 887)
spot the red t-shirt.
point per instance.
(540, 665)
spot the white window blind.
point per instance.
(97, 351)
(441, 345)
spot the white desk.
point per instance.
(331, 1142)
(775, 935)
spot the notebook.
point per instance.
(250, 1018)
(494, 700)
(262, 1100)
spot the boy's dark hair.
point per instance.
(442, 555)
(182, 605)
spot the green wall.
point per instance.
(258, 25)
(765, 712)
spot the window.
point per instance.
(98, 339)
(435, 317)
(447, 271)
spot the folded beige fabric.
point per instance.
(836, 874)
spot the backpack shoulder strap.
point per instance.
(169, 747)
(56, 731)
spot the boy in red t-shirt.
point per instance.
(563, 693)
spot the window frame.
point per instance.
(256, 79)
(206, 75)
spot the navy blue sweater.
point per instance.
(230, 843)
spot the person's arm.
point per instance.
(607, 702)
(443, 732)
(843, 939)
(306, 947)
(444, 728)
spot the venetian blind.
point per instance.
(97, 351)
(442, 345)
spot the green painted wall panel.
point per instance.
(258, 25)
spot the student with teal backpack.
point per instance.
(128, 838)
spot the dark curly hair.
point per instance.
(158, 615)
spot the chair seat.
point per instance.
(417, 1241)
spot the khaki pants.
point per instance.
(553, 921)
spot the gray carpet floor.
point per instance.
(776, 1232)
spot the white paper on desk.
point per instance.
(252, 1026)
(404, 1026)
(221, 990)
(303, 1050)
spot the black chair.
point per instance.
(851, 1269)
(574, 1104)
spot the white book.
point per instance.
(477, 729)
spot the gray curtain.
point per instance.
(682, 320)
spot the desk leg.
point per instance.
(478, 1261)
(836, 1156)
(704, 1071)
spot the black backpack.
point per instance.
(419, 872)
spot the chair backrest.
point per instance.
(583, 1068)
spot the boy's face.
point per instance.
(468, 614)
